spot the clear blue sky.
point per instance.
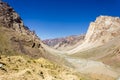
(59, 18)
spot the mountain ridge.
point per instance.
(101, 31)
(65, 43)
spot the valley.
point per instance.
(91, 56)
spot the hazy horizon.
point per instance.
(61, 18)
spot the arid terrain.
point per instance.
(66, 43)
(23, 56)
(99, 51)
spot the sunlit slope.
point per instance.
(108, 53)
(101, 31)
(24, 68)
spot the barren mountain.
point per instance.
(104, 29)
(23, 56)
(101, 42)
(98, 52)
(19, 48)
(15, 37)
(65, 43)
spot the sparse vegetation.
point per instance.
(33, 68)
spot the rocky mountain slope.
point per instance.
(15, 37)
(19, 48)
(65, 43)
(104, 29)
(14, 34)
(98, 55)
(101, 42)
(108, 53)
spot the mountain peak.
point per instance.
(101, 31)
(9, 18)
(104, 28)
(105, 18)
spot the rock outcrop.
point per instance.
(9, 18)
(103, 29)
(17, 34)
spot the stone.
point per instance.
(1, 65)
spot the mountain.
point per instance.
(16, 38)
(104, 29)
(23, 56)
(101, 43)
(65, 43)
(98, 55)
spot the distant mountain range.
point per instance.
(65, 43)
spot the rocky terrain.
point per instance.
(15, 37)
(101, 43)
(21, 51)
(23, 56)
(104, 29)
(98, 55)
(65, 43)
(25, 68)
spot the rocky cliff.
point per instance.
(104, 29)
(16, 34)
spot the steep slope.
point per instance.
(19, 48)
(108, 53)
(15, 37)
(66, 43)
(101, 44)
(101, 31)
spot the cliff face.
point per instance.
(103, 30)
(9, 18)
(15, 36)
(102, 42)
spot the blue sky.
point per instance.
(60, 18)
